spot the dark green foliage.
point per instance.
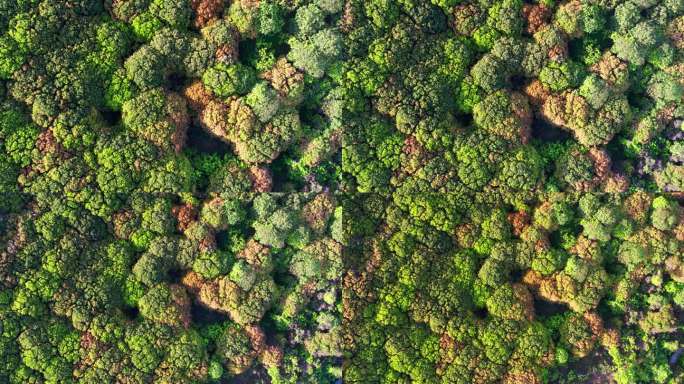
(229, 80)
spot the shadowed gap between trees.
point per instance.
(547, 308)
(546, 132)
(203, 142)
(111, 118)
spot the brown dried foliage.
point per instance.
(519, 220)
(537, 16)
(675, 31)
(185, 215)
(198, 96)
(206, 11)
(611, 69)
(254, 253)
(317, 212)
(284, 77)
(524, 377)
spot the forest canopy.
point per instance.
(328, 191)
